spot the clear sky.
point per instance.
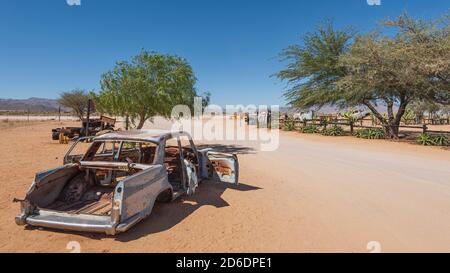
(48, 46)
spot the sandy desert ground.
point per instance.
(313, 194)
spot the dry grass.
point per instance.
(9, 124)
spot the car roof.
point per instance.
(153, 135)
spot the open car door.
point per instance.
(223, 167)
(189, 176)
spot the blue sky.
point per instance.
(47, 46)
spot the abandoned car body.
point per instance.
(93, 127)
(116, 182)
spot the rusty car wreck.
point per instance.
(116, 182)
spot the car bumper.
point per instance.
(82, 223)
(65, 221)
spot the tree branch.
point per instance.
(375, 111)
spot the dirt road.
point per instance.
(313, 194)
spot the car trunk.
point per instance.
(95, 201)
(79, 189)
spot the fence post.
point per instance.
(257, 118)
(351, 127)
(425, 128)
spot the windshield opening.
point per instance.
(122, 151)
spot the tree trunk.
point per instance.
(391, 124)
(127, 122)
(390, 111)
(393, 130)
(398, 118)
(142, 119)
(375, 112)
(377, 115)
(141, 123)
(79, 114)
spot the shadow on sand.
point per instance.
(166, 215)
(231, 149)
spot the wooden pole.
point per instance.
(257, 119)
(59, 113)
(88, 116)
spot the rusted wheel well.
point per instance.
(165, 196)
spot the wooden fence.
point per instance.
(299, 124)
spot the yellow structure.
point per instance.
(63, 139)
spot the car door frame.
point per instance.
(187, 178)
(208, 172)
(65, 161)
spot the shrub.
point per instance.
(350, 116)
(289, 125)
(333, 131)
(440, 140)
(370, 133)
(425, 140)
(310, 129)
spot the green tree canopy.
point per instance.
(373, 69)
(314, 66)
(77, 100)
(151, 84)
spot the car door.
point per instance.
(189, 159)
(189, 176)
(220, 167)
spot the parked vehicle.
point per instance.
(115, 183)
(95, 126)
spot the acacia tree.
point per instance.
(314, 66)
(372, 69)
(151, 84)
(206, 99)
(77, 100)
(413, 65)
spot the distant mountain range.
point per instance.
(39, 105)
(31, 104)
